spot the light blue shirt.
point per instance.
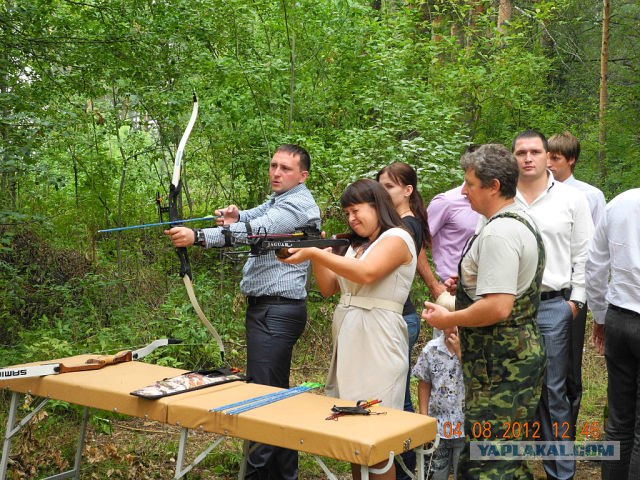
(281, 213)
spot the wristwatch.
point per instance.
(198, 237)
(579, 305)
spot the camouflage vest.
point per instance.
(525, 308)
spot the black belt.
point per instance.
(622, 310)
(553, 294)
(273, 300)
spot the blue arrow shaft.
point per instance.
(267, 401)
(158, 224)
(256, 399)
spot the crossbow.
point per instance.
(309, 236)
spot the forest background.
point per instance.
(95, 96)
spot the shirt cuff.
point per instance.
(213, 237)
(578, 294)
(599, 316)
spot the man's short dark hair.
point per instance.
(531, 134)
(305, 159)
(490, 162)
(566, 144)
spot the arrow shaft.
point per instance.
(157, 224)
(250, 400)
(274, 395)
(268, 401)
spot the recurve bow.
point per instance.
(175, 216)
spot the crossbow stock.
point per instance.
(309, 236)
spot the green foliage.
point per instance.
(95, 97)
(577, 39)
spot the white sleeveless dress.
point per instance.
(370, 345)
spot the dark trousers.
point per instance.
(574, 379)
(622, 354)
(272, 330)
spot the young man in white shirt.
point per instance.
(564, 152)
(562, 216)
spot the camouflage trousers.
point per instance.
(503, 367)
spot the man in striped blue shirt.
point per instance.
(276, 295)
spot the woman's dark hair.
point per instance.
(404, 174)
(369, 191)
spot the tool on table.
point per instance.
(189, 381)
(361, 408)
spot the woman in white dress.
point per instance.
(370, 339)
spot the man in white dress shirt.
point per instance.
(613, 291)
(564, 152)
(562, 216)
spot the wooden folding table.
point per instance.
(298, 422)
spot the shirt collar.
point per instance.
(512, 207)
(550, 180)
(442, 347)
(292, 191)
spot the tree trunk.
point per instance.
(8, 175)
(476, 10)
(504, 15)
(292, 80)
(604, 56)
(291, 38)
(436, 23)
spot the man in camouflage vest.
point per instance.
(497, 298)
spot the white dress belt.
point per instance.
(369, 303)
